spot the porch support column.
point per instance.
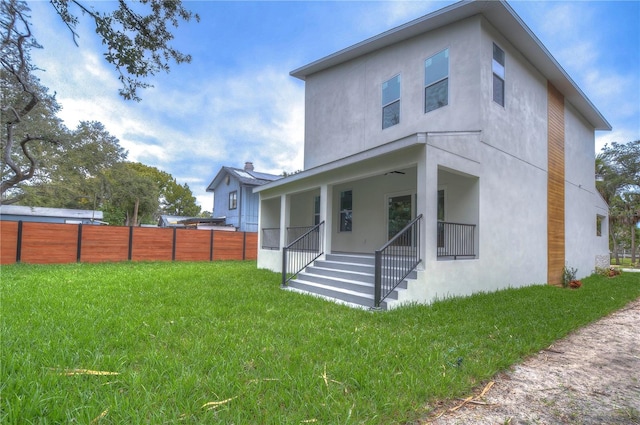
(285, 219)
(424, 194)
(326, 206)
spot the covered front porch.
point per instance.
(358, 208)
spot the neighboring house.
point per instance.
(233, 197)
(199, 223)
(463, 120)
(50, 215)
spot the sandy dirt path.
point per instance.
(590, 377)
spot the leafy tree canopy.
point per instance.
(137, 193)
(618, 166)
(137, 40)
(136, 36)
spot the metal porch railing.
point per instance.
(456, 240)
(295, 232)
(271, 236)
(301, 252)
(396, 259)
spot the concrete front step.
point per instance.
(338, 283)
(351, 258)
(345, 278)
(340, 294)
(347, 271)
(330, 272)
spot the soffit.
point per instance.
(349, 162)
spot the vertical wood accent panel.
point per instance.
(102, 243)
(192, 245)
(555, 186)
(227, 246)
(8, 241)
(47, 243)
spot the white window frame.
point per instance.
(438, 81)
(233, 200)
(391, 102)
(345, 211)
(498, 70)
(316, 210)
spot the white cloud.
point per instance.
(574, 33)
(400, 12)
(225, 121)
(620, 135)
(381, 16)
(193, 122)
(210, 122)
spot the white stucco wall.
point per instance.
(370, 209)
(303, 205)
(491, 159)
(510, 162)
(582, 201)
(343, 109)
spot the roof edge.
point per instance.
(520, 36)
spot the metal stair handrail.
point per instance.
(396, 259)
(301, 252)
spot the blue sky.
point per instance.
(236, 101)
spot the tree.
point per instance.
(28, 117)
(136, 36)
(138, 193)
(131, 196)
(173, 198)
(179, 200)
(619, 166)
(74, 174)
(137, 40)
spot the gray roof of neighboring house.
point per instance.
(181, 221)
(245, 177)
(500, 14)
(20, 210)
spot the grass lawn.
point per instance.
(624, 262)
(222, 343)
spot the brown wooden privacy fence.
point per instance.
(50, 243)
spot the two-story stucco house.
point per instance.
(459, 124)
(233, 197)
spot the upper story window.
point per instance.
(233, 200)
(497, 66)
(391, 102)
(346, 210)
(436, 81)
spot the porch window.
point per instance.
(233, 200)
(391, 102)
(316, 210)
(436, 81)
(497, 65)
(346, 211)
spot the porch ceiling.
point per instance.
(373, 156)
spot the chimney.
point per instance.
(248, 166)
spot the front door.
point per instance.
(399, 213)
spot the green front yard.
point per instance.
(222, 343)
